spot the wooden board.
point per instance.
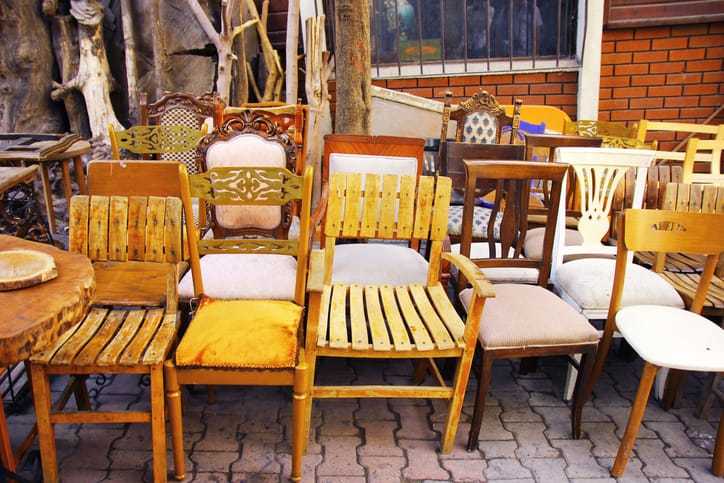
(25, 268)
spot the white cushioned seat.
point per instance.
(481, 219)
(378, 264)
(369, 163)
(533, 245)
(480, 250)
(586, 284)
(521, 316)
(244, 276)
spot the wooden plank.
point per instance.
(118, 229)
(434, 325)
(696, 194)
(324, 305)
(720, 200)
(358, 321)
(438, 226)
(80, 338)
(371, 212)
(135, 350)
(109, 356)
(159, 346)
(352, 206)
(677, 174)
(172, 231)
(708, 199)
(98, 229)
(45, 356)
(447, 312)
(106, 332)
(387, 210)
(664, 180)
(155, 229)
(423, 209)
(682, 197)
(78, 224)
(406, 213)
(669, 198)
(422, 339)
(338, 318)
(398, 331)
(377, 326)
(333, 221)
(137, 227)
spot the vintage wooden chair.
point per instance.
(164, 142)
(543, 325)
(251, 340)
(612, 134)
(479, 119)
(669, 131)
(712, 174)
(131, 325)
(665, 337)
(379, 320)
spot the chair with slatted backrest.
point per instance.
(386, 320)
(250, 340)
(479, 119)
(712, 174)
(131, 325)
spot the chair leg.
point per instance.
(672, 388)
(586, 366)
(158, 425)
(604, 345)
(462, 374)
(80, 391)
(299, 406)
(634, 419)
(421, 367)
(717, 466)
(173, 400)
(46, 434)
(7, 457)
(571, 379)
(485, 373)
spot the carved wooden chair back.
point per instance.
(612, 134)
(254, 139)
(479, 119)
(293, 117)
(163, 141)
(713, 173)
(244, 186)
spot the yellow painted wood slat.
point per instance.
(338, 318)
(357, 319)
(434, 325)
(423, 207)
(78, 224)
(708, 199)
(333, 221)
(118, 229)
(172, 231)
(422, 339)
(406, 213)
(352, 206)
(155, 229)
(109, 356)
(377, 325)
(386, 228)
(106, 332)
(447, 312)
(80, 338)
(135, 350)
(398, 328)
(98, 229)
(371, 213)
(322, 339)
(438, 226)
(159, 346)
(137, 227)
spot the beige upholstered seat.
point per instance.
(543, 320)
(378, 264)
(533, 247)
(481, 250)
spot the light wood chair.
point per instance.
(160, 141)
(479, 119)
(667, 337)
(613, 134)
(382, 321)
(712, 174)
(130, 327)
(251, 341)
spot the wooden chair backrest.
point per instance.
(163, 141)
(678, 129)
(669, 231)
(588, 128)
(255, 186)
(176, 108)
(133, 178)
(479, 119)
(512, 181)
(713, 173)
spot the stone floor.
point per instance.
(525, 437)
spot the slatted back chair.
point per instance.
(479, 119)
(418, 322)
(713, 172)
(666, 131)
(252, 341)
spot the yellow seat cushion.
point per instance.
(242, 334)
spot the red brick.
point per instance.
(496, 79)
(665, 91)
(713, 77)
(629, 92)
(670, 43)
(656, 56)
(648, 80)
(701, 89)
(604, 93)
(696, 112)
(513, 89)
(570, 88)
(682, 101)
(613, 104)
(617, 58)
(401, 83)
(432, 81)
(652, 33)
(632, 45)
(667, 68)
(422, 92)
(604, 116)
(570, 110)
(647, 102)
(627, 115)
(379, 82)
(715, 52)
(687, 54)
(545, 89)
(680, 30)
(529, 100)
(703, 65)
(457, 91)
(711, 100)
(505, 99)
(661, 135)
(472, 90)
(683, 78)
(618, 81)
(716, 28)
(628, 69)
(561, 99)
(608, 47)
(529, 78)
(662, 113)
(562, 76)
(622, 34)
(606, 70)
(465, 80)
(707, 41)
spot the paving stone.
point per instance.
(80, 474)
(459, 450)
(92, 449)
(338, 416)
(122, 459)
(220, 434)
(313, 447)
(257, 454)
(655, 460)
(619, 415)
(422, 460)
(696, 427)
(340, 456)
(581, 463)
(593, 480)
(557, 421)
(414, 423)
(520, 415)
(675, 437)
(492, 428)
(213, 461)
(699, 469)
(309, 466)
(506, 468)
(383, 469)
(379, 439)
(633, 472)
(215, 477)
(604, 439)
(531, 440)
(341, 479)
(466, 470)
(550, 470)
(498, 449)
(545, 399)
(374, 409)
(605, 394)
(125, 476)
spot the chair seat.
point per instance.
(241, 334)
(114, 337)
(675, 262)
(525, 316)
(244, 276)
(673, 338)
(481, 219)
(378, 264)
(586, 284)
(481, 250)
(384, 319)
(533, 245)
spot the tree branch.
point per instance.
(205, 23)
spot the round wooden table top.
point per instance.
(33, 318)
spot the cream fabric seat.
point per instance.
(481, 219)
(481, 250)
(533, 246)
(378, 264)
(544, 320)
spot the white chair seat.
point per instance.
(586, 284)
(533, 245)
(244, 276)
(378, 264)
(673, 338)
(481, 218)
(499, 274)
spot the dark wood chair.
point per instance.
(479, 119)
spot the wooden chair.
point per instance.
(171, 143)
(293, 117)
(130, 328)
(712, 174)
(612, 134)
(543, 325)
(411, 321)
(658, 130)
(251, 341)
(479, 119)
(666, 337)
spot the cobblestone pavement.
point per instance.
(525, 437)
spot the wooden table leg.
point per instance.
(48, 196)
(80, 175)
(67, 181)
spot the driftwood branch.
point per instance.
(292, 49)
(130, 49)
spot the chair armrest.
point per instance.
(472, 273)
(321, 210)
(315, 279)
